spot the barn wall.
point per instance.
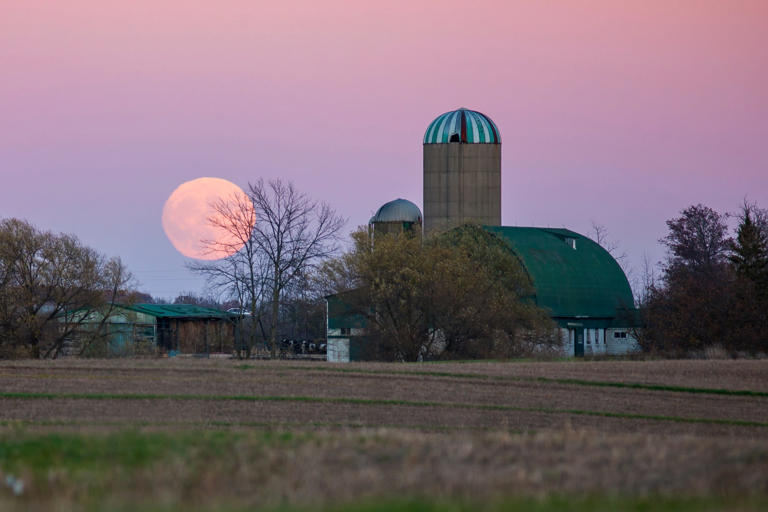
(199, 336)
(617, 344)
(594, 341)
(338, 350)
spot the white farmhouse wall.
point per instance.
(338, 350)
(620, 342)
(567, 337)
(594, 342)
(600, 341)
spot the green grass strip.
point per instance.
(550, 380)
(205, 425)
(656, 387)
(369, 401)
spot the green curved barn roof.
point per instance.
(585, 282)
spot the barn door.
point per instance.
(578, 342)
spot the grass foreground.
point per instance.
(165, 469)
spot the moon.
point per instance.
(187, 218)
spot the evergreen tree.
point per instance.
(750, 251)
(749, 258)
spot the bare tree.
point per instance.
(277, 236)
(240, 274)
(648, 281)
(612, 246)
(602, 238)
(294, 233)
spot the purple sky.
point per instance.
(621, 114)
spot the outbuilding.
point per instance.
(169, 328)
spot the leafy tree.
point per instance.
(714, 289)
(697, 240)
(689, 310)
(483, 298)
(459, 294)
(50, 284)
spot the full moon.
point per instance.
(187, 218)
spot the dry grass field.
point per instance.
(192, 434)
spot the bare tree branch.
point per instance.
(275, 238)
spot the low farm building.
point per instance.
(170, 328)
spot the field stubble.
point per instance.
(220, 433)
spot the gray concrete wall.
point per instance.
(462, 183)
(388, 228)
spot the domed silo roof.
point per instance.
(462, 125)
(399, 210)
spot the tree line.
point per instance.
(713, 288)
(456, 294)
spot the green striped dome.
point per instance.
(463, 125)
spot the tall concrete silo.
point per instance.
(462, 170)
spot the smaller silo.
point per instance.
(398, 216)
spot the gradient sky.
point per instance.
(618, 112)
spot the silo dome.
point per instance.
(399, 210)
(462, 125)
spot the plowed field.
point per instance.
(313, 434)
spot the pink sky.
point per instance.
(621, 114)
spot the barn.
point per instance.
(577, 281)
(580, 284)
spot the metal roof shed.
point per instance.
(188, 328)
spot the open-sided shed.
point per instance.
(125, 329)
(185, 328)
